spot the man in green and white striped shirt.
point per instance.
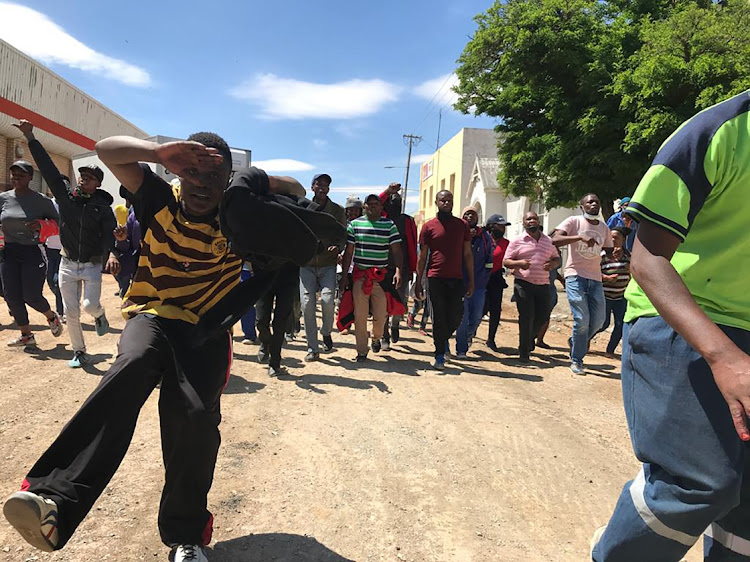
(369, 240)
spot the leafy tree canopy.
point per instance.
(586, 91)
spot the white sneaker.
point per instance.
(595, 540)
(189, 553)
(35, 518)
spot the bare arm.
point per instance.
(469, 263)
(398, 258)
(651, 267)
(561, 238)
(421, 264)
(346, 264)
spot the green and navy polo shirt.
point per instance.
(698, 188)
(372, 241)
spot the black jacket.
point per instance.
(86, 225)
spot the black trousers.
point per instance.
(447, 299)
(533, 302)
(78, 465)
(24, 272)
(279, 301)
(494, 302)
(53, 273)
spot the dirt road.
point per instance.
(386, 461)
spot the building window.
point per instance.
(453, 183)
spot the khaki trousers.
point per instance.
(362, 304)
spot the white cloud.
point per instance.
(420, 158)
(439, 90)
(286, 98)
(40, 38)
(283, 165)
(320, 143)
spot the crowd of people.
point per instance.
(189, 266)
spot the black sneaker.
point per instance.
(327, 344)
(263, 353)
(395, 334)
(375, 346)
(361, 357)
(312, 356)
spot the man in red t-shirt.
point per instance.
(448, 241)
(496, 225)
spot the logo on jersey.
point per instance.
(590, 252)
(219, 246)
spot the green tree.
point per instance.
(585, 91)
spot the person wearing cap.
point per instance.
(496, 285)
(320, 275)
(369, 241)
(447, 240)
(482, 249)
(615, 279)
(87, 226)
(27, 219)
(353, 208)
(621, 219)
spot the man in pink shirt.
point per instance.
(586, 236)
(531, 256)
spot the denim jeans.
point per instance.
(80, 280)
(693, 461)
(312, 280)
(617, 308)
(586, 298)
(248, 319)
(473, 312)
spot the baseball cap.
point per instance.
(23, 165)
(318, 176)
(353, 201)
(94, 170)
(497, 219)
(624, 200)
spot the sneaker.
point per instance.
(385, 345)
(410, 320)
(35, 518)
(395, 334)
(543, 345)
(189, 553)
(102, 325)
(327, 344)
(79, 360)
(461, 356)
(422, 332)
(439, 362)
(595, 540)
(263, 353)
(64, 319)
(23, 341)
(276, 370)
(55, 325)
(289, 338)
(375, 346)
(361, 357)
(312, 356)
(577, 368)
(524, 359)
(491, 344)
(248, 341)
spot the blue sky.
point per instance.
(309, 87)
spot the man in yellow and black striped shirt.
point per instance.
(185, 268)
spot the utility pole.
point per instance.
(411, 140)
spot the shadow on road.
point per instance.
(61, 353)
(280, 547)
(313, 382)
(238, 385)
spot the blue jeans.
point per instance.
(586, 298)
(693, 461)
(248, 320)
(473, 312)
(312, 280)
(616, 307)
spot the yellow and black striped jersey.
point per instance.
(185, 267)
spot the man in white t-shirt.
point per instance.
(586, 236)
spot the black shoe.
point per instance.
(491, 345)
(395, 334)
(263, 353)
(327, 344)
(524, 359)
(312, 356)
(375, 346)
(276, 370)
(361, 357)
(543, 345)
